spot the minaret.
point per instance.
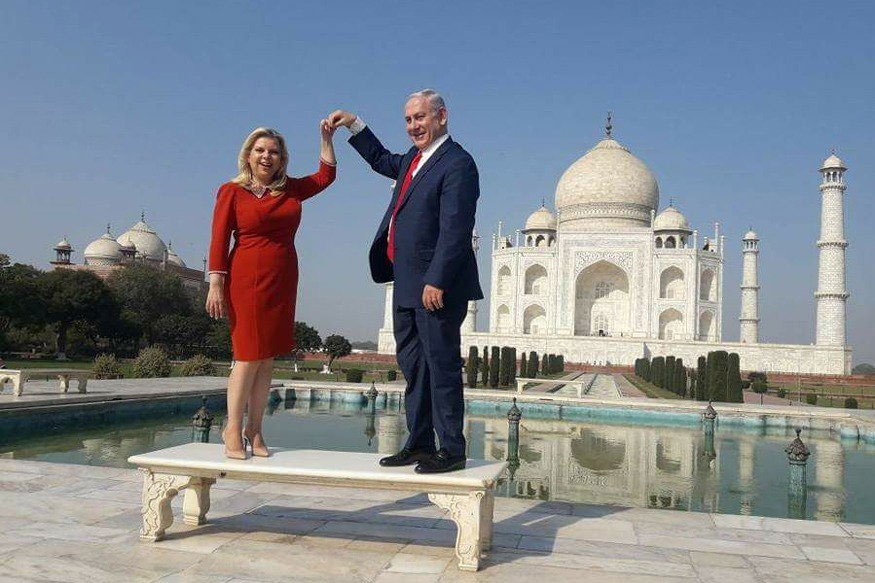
(750, 289)
(831, 295)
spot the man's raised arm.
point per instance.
(367, 145)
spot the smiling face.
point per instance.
(265, 159)
(424, 124)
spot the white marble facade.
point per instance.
(607, 279)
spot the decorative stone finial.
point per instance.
(372, 392)
(203, 418)
(143, 215)
(797, 451)
(608, 126)
(671, 202)
(514, 414)
(108, 228)
(710, 413)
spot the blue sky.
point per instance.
(110, 108)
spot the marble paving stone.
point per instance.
(650, 515)
(149, 557)
(190, 578)
(608, 565)
(64, 509)
(859, 530)
(10, 543)
(429, 549)
(815, 540)
(830, 555)
(201, 541)
(863, 548)
(246, 523)
(69, 570)
(713, 533)
(500, 568)
(266, 561)
(737, 521)
(724, 574)
(13, 476)
(375, 544)
(392, 577)
(601, 549)
(236, 503)
(718, 560)
(79, 486)
(53, 547)
(594, 529)
(793, 571)
(78, 533)
(393, 534)
(416, 563)
(721, 546)
(270, 537)
(803, 526)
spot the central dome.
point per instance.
(146, 241)
(606, 187)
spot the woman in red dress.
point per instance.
(255, 284)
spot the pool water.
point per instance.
(652, 466)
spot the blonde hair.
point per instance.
(244, 172)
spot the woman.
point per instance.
(255, 285)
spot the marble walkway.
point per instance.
(72, 523)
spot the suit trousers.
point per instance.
(428, 346)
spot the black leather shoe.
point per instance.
(406, 457)
(440, 462)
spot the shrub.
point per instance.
(523, 362)
(645, 369)
(561, 363)
(533, 364)
(718, 376)
(811, 399)
(152, 362)
(545, 366)
(850, 403)
(391, 375)
(668, 374)
(512, 358)
(198, 366)
(782, 392)
(106, 367)
(680, 377)
(354, 375)
(471, 366)
(494, 364)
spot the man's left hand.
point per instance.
(432, 298)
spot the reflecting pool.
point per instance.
(652, 466)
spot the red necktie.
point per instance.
(390, 249)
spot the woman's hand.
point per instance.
(326, 149)
(216, 305)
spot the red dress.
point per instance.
(262, 268)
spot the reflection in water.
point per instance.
(683, 468)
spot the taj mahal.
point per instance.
(608, 279)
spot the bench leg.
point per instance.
(158, 491)
(466, 511)
(65, 383)
(196, 503)
(486, 509)
(17, 383)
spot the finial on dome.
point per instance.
(108, 228)
(543, 202)
(608, 126)
(671, 202)
(143, 215)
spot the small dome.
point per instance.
(103, 251)
(671, 219)
(173, 258)
(145, 240)
(751, 236)
(541, 219)
(607, 186)
(63, 244)
(833, 162)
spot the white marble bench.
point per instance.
(21, 376)
(467, 494)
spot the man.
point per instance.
(424, 245)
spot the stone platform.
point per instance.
(62, 522)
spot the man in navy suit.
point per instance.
(424, 245)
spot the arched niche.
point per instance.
(671, 283)
(536, 280)
(534, 320)
(671, 324)
(601, 297)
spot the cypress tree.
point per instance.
(718, 376)
(561, 363)
(512, 362)
(668, 375)
(680, 377)
(523, 372)
(645, 368)
(691, 393)
(494, 362)
(471, 367)
(484, 367)
(545, 366)
(701, 379)
(533, 364)
(504, 367)
(657, 370)
(735, 394)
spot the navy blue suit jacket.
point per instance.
(434, 225)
